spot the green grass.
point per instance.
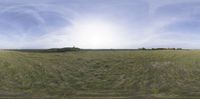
(125, 74)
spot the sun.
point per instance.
(94, 33)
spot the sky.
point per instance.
(99, 23)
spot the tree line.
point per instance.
(160, 48)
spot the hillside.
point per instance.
(124, 74)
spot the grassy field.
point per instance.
(101, 74)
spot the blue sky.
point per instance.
(99, 23)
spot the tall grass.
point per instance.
(97, 73)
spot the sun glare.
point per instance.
(94, 33)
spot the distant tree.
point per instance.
(142, 48)
(179, 49)
(64, 49)
(171, 48)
